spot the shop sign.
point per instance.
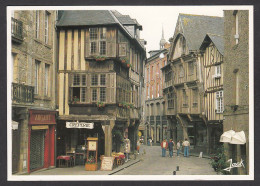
(79, 125)
(107, 163)
(40, 127)
(42, 117)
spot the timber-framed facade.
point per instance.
(184, 80)
(100, 70)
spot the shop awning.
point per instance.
(238, 138)
(233, 137)
(226, 136)
(15, 125)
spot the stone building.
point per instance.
(156, 121)
(100, 73)
(33, 90)
(183, 88)
(236, 84)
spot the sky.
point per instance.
(153, 18)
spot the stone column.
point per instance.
(23, 159)
(108, 136)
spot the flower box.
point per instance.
(91, 167)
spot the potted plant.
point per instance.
(128, 65)
(91, 164)
(123, 60)
(100, 58)
(75, 100)
(100, 104)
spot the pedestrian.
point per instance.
(178, 147)
(138, 146)
(151, 142)
(186, 145)
(164, 146)
(170, 146)
(126, 148)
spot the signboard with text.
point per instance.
(79, 125)
(107, 163)
(41, 117)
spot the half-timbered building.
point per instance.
(183, 88)
(212, 59)
(100, 69)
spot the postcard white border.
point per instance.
(11, 177)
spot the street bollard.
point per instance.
(174, 172)
(177, 168)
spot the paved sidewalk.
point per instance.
(80, 170)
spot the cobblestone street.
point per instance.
(150, 163)
(154, 164)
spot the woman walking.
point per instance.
(178, 147)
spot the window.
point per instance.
(191, 68)
(93, 48)
(219, 101)
(46, 35)
(181, 71)
(78, 88)
(170, 99)
(37, 22)
(185, 98)
(195, 97)
(76, 80)
(217, 71)
(158, 90)
(103, 94)
(102, 33)
(236, 87)
(102, 47)
(94, 79)
(37, 70)
(152, 72)
(236, 25)
(94, 94)
(93, 32)
(168, 75)
(122, 49)
(46, 80)
(102, 79)
(148, 75)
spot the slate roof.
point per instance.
(71, 18)
(195, 28)
(216, 39)
(86, 17)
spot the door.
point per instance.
(15, 150)
(37, 149)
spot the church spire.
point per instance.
(162, 41)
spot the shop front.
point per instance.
(72, 139)
(41, 138)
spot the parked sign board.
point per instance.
(79, 125)
(107, 163)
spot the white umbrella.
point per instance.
(226, 136)
(238, 138)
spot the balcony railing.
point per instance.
(22, 93)
(17, 30)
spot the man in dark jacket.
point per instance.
(170, 146)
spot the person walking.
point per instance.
(138, 146)
(186, 145)
(170, 146)
(178, 147)
(164, 146)
(151, 142)
(126, 148)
